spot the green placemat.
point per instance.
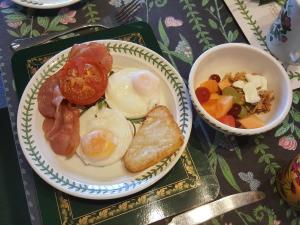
(191, 182)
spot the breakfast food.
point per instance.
(158, 137)
(236, 98)
(95, 51)
(105, 136)
(92, 111)
(83, 79)
(48, 92)
(62, 131)
(133, 86)
(61, 123)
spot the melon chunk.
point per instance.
(218, 108)
(224, 104)
(214, 96)
(211, 85)
(251, 121)
(210, 107)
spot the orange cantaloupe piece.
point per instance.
(210, 106)
(224, 104)
(214, 96)
(251, 121)
(218, 108)
(211, 85)
(224, 84)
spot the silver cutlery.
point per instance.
(124, 15)
(216, 208)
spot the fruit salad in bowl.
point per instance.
(235, 99)
(239, 89)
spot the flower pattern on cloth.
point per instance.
(119, 3)
(277, 222)
(170, 21)
(288, 143)
(115, 3)
(14, 24)
(5, 4)
(184, 48)
(295, 169)
(249, 178)
(67, 16)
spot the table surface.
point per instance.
(184, 29)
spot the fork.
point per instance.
(124, 15)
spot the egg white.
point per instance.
(112, 121)
(121, 94)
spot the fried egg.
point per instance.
(133, 91)
(105, 136)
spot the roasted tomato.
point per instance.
(82, 81)
(93, 50)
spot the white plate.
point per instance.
(45, 4)
(71, 175)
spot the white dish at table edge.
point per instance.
(59, 172)
(45, 4)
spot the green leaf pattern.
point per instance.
(21, 25)
(216, 20)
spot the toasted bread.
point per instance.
(158, 137)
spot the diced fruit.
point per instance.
(224, 83)
(235, 110)
(211, 85)
(202, 94)
(238, 124)
(237, 97)
(243, 112)
(210, 107)
(214, 96)
(218, 108)
(224, 104)
(215, 77)
(228, 120)
(251, 121)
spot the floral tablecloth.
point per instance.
(184, 29)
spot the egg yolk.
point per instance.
(98, 144)
(145, 82)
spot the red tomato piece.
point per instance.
(228, 120)
(202, 94)
(95, 51)
(82, 81)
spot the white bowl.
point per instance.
(237, 57)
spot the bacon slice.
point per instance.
(63, 131)
(61, 123)
(93, 50)
(49, 96)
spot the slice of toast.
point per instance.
(158, 137)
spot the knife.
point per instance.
(216, 208)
